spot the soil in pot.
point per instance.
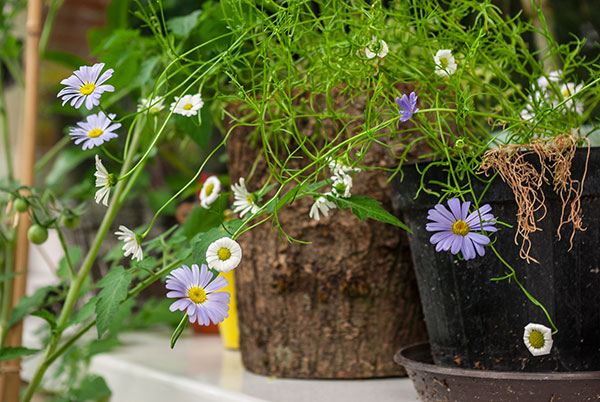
(477, 323)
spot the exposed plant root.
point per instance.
(555, 156)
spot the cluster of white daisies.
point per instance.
(549, 93)
(341, 185)
(85, 87)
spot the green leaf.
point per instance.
(92, 388)
(146, 70)
(29, 303)
(202, 219)
(47, 316)
(84, 312)
(14, 353)
(63, 268)
(117, 14)
(201, 241)
(114, 291)
(199, 133)
(182, 26)
(365, 207)
(158, 198)
(179, 330)
(8, 276)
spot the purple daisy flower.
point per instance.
(455, 228)
(408, 106)
(197, 296)
(86, 85)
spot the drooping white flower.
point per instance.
(341, 186)
(383, 49)
(132, 244)
(210, 191)
(445, 65)
(570, 89)
(187, 105)
(339, 168)
(244, 201)
(321, 204)
(553, 76)
(538, 339)
(96, 130)
(86, 85)
(224, 254)
(105, 181)
(154, 105)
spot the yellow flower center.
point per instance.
(224, 254)
(197, 295)
(249, 199)
(460, 228)
(187, 106)
(444, 62)
(87, 89)
(209, 189)
(95, 133)
(154, 110)
(536, 339)
(566, 93)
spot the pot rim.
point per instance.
(401, 358)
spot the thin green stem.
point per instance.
(52, 152)
(9, 249)
(5, 130)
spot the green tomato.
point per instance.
(21, 205)
(69, 221)
(37, 234)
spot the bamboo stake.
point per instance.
(10, 383)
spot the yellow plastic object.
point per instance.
(230, 332)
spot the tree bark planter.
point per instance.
(474, 322)
(434, 383)
(337, 308)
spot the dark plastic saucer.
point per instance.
(445, 384)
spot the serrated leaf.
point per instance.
(10, 353)
(114, 291)
(365, 207)
(47, 316)
(182, 26)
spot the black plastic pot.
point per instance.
(474, 322)
(435, 384)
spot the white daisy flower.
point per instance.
(210, 191)
(323, 205)
(105, 181)
(244, 201)
(538, 339)
(224, 254)
(383, 49)
(341, 186)
(187, 105)
(86, 85)
(570, 89)
(445, 65)
(154, 105)
(339, 168)
(96, 130)
(132, 244)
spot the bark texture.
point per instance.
(337, 308)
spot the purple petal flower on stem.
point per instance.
(85, 86)
(408, 106)
(455, 228)
(197, 296)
